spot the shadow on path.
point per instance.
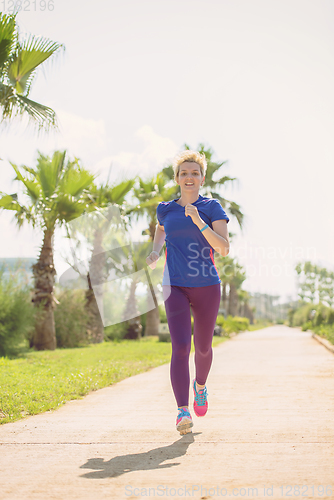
(139, 461)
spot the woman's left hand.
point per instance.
(191, 210)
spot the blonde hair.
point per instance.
(191, 156)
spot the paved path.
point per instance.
(270, 425)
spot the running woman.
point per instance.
(194, 227)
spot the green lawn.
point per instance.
(260, 324)
(45, 380)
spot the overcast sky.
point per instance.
(253, 80)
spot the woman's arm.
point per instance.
(218, 236)
(159, 239)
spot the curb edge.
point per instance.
(324, 342)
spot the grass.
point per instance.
(325, 331)
(44, 380)
(260, 324)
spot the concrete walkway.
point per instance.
(269, 430)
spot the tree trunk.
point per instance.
(152, 316)
(248, 313)
(224, 299)
(132, 315)
(44, 271)
(152, 322)
(233, 300)
(95, 326)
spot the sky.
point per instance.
(252, 80)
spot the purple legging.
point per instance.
(204, 303)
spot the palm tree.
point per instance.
(225, 268)
(243, 298)
(149, 194)
(96, 227)
(56, 194)
(19, 61)
(235, 282)
(131, 314)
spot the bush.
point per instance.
(232, 324)
(302, 314)
(162, 313)
(71, 318)
(307, 326)
(330, 317)
(320, 315)
(17, 313)
(115, 332)
(326, 331)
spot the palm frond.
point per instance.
(119, 191)
(224, 179)
(8, 38)
(233, 208)
(68, 207)
(38, 114)
(22, 213)
(32, 186)
(28, 56)
(48, 171)
(7, 98)
(8, 202)
(76, 181)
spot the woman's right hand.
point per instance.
(151, 260)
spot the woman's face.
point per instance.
(190, 177)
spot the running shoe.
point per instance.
(200, 401)
(184, 421)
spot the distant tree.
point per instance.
(315, 281)
(96, 232)
(149, 194)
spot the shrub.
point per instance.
(162, 313)
(330, 317)
(71, 318)
(307, 326)
(115, 332)
(232, 324)
(320, 315)
(326, 331)
(236, 324)
(17, 313)
(302, 314)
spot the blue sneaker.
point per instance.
(184, 421)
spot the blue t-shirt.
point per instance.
(189, 256)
